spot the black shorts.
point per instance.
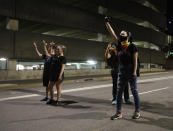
(45, 79)
(54, 77)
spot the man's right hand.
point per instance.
(52, 43)
(109, 45)
(107, 19)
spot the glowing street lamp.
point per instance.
(91, 62)
(3, 59)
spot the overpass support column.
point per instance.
(103, 64)
(12, 63)
(149, 66)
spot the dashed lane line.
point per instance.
(95, 87)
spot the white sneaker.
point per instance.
(114, 102)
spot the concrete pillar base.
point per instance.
(103, 65)
(12, 63)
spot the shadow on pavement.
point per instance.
(166, 123)
(69, 97)
(158, 108)
(71, 105)
(87, 99)
(164, 110)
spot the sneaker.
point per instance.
(128, 101)
(114, 102)
(117, 116)
(44, 99)
(58, 103)
(136, 115)
(50, 101)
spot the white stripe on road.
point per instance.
(155, 79)
(146, 92)
(19, 97)
(63, 91)
(86, 88)
(93, 87)
(33, 95)
(109, 85)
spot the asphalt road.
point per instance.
(88, 107)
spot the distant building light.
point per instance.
(12, 24)
(171, 53)
(68, 64)
(170, 22)
(19, 67)
(91, 62)
(3, 59)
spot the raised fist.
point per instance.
(52, 43)
(107, 19)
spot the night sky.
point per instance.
(170, 17)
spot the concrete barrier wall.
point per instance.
(6, 75)
(151, 56)
(169, 64)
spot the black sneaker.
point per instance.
(57, 103)
(50, 101)
(117, 116)
(44, 99)
(136, 115)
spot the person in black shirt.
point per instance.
(127, 55)
(56, 72)
(46, 71)
(112, 61)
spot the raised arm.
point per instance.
(110, 29)
(107, 54)
(45, 48)
(36, 49)
(52, 48)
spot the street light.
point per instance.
(169, 22)
(91, 62)
(3, 59)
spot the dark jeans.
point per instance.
(122, 81)
(114, 75)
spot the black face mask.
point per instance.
(123, 38)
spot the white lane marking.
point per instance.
(33, 95)
(63, 91)
(86, 88)
(146, 92)
(109, 85)
(19, 97)
(155, 79)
